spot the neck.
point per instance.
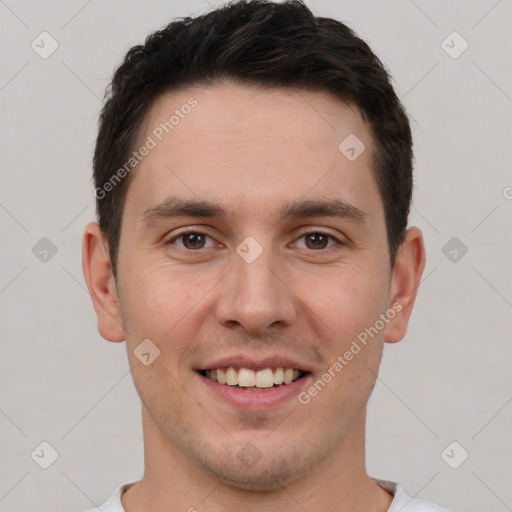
(172, 481)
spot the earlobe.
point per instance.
(100, 281)
(407, 272)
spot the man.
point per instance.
(253, 174)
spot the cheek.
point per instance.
(152, 298)
(349, 301)
(351, 306)
(166, 307)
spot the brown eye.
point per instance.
(318, 240)
(193, 240)
(190, 240)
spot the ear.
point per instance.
(100, 282)
(407, 272)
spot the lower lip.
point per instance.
(255, 400)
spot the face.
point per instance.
(250, 241)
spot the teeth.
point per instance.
(264, 378)
(221, 375)
(247, 378)
(231, 377)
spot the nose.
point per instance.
(255, 296)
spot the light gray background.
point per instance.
(449, 380)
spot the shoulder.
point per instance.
(404, 503)
(113, 504)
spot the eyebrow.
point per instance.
(176, 207)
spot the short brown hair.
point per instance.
(267, 44)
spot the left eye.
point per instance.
(195, 240)
(318, 240)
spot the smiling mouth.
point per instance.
(253, 380)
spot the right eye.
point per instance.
(192, 240)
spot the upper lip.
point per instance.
(253, 363)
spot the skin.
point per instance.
(252, 150)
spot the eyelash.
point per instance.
(312, 232)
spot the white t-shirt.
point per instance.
(401, 502)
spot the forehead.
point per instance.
(251, 147)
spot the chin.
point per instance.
(265, 479)
(271, 471)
